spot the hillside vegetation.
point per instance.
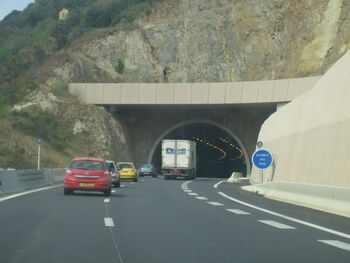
(28, 38)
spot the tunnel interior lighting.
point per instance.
(234, 147)
(224, 154)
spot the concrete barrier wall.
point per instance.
(326, 198)
(310, 137)
(20, 180)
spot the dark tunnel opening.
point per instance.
(218, 153)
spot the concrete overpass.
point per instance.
(270, 91)
(150, 112)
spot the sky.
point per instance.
(6, 6)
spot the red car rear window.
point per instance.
(87, 165)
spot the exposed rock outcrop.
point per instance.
(95, 132)
(223, 40)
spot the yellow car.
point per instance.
(127, 170)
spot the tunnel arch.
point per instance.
(201, 121)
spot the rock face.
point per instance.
(95, 132)
(221, 40)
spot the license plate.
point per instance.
(86, 184)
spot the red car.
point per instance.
(87, 174)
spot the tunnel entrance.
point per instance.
(218, 153)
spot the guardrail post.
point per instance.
(48, 176)
(9, 181)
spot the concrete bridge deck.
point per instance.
(269, 91)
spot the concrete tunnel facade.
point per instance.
(150, 111)
(146, 126)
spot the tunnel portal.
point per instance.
(218, 153)
(232, 129)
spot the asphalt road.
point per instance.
(158, 220)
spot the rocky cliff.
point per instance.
(92, 131)
(221, 40)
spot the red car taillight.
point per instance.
(106, 173)
(175, 171)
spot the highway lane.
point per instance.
(163, 221)
(49, 227)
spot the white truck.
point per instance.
(179, 158)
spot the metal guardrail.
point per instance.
(19, 180)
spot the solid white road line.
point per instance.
(338, 233)
(28, 192)
(109, 221)
(106, 200)
(238, 212)
(215, 203)
(192, 194)
(276, 224)
(201, 198)
(216, 185)
(337, 243)
(187, 191)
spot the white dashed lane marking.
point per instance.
(201, 198)
(109, 221)
(336, 243)
(276, 224)
(122, 186)
(238, 212)
(215, 203)
(106, 200)
(185, 184)
(192, 194)
(113, 191)
(187, 191)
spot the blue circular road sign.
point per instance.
(262, 159)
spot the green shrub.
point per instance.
(120, 66)
(43, 124)
(3, 106)
(61, 90)
(15, 92)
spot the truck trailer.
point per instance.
(179, 159)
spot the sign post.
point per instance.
(39, 141)
(262, 159)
